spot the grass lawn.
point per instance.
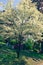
(9, 57)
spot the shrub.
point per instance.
(37, 47)
(29, 44)
(1, 39)
(13, 42)
(2, 44)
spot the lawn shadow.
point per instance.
(8, 56)
(31, 54)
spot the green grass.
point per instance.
(9, 57)
(32, 54)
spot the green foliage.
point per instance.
(26, 19)
(37, 46)
(13, 41)
(1, 39)
(2, 43)
(29, 44)
(19, 23)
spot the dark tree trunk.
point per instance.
(42, 47)
(19, 45)
(18, 50)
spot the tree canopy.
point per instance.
(25, 19)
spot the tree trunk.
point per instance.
(18, 50)
(42, 47)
